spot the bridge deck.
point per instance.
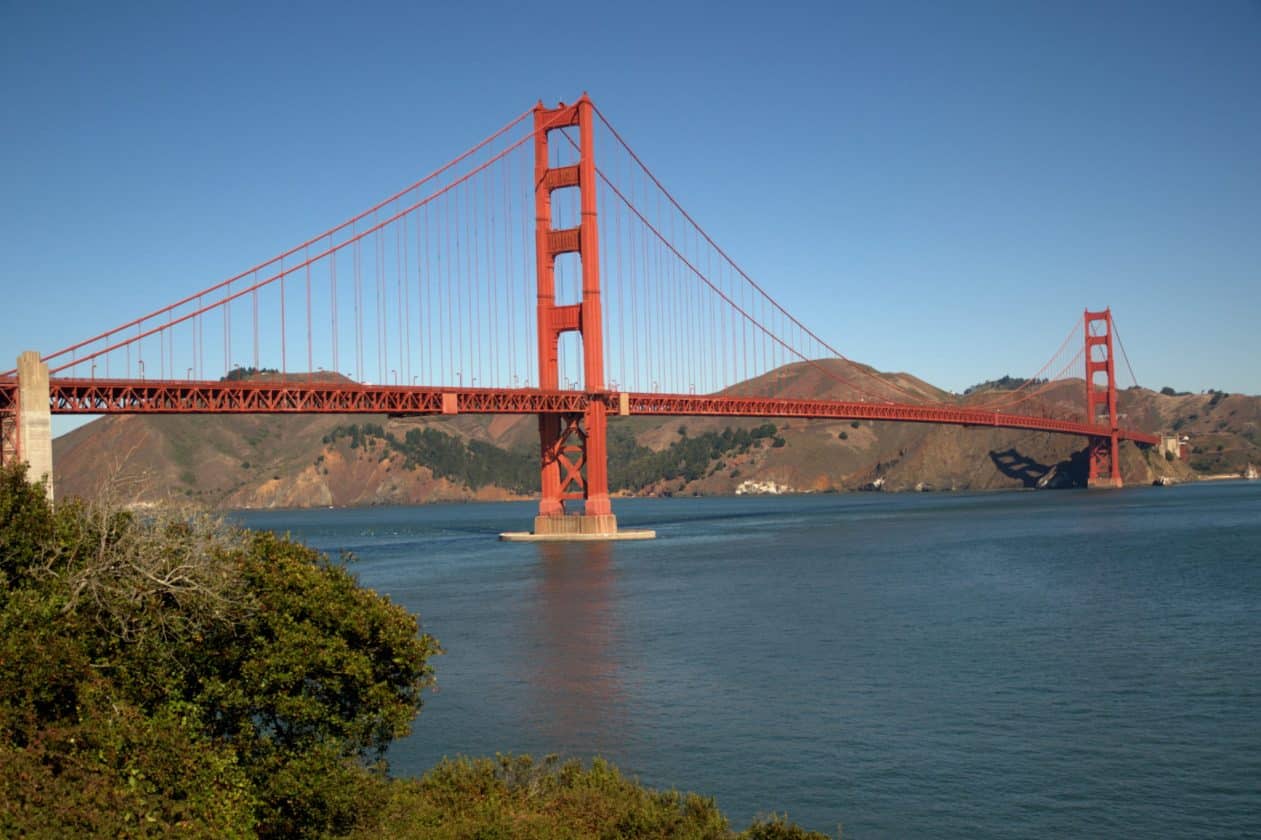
(118, 396)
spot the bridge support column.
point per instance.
(573, 447)
(1105, 470)
(34, 419)
(1101, 400)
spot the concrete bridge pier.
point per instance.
(34, 419)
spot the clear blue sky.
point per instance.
(935, 187)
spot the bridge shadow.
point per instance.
(1031, 473)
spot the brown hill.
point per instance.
(319, 460)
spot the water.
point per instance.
(947, 665)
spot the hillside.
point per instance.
(320, 460)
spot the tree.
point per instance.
(27, 526)
(168, 671)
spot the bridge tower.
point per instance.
(573, 445)
(1101, 400)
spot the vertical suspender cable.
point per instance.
(254, 300)
(310, 352)
(284, 366)
(424, 297)
(332, 295)
(509, 280)
(474, 282)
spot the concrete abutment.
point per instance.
(576, 528)
(34, 419)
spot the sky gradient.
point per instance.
(935, 188)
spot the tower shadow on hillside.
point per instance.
(1068, 473)
(1020, 467)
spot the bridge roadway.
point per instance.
(131, 396)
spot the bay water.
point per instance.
(945, 665)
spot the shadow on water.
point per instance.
(574, 624)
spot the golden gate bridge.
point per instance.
(519, 278)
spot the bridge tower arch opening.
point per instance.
(1101, 400)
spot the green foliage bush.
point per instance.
(27, 528)
(168, 674)
(517, 798)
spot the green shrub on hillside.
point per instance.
(242, 374)
(477, 464)
(1003, 383)
(634, 467)
(474, 463)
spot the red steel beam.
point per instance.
(100, 396)
(721, 406)
(118, 396)
(8, 422)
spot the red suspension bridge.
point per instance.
(519, 278)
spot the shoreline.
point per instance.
(855, 492)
